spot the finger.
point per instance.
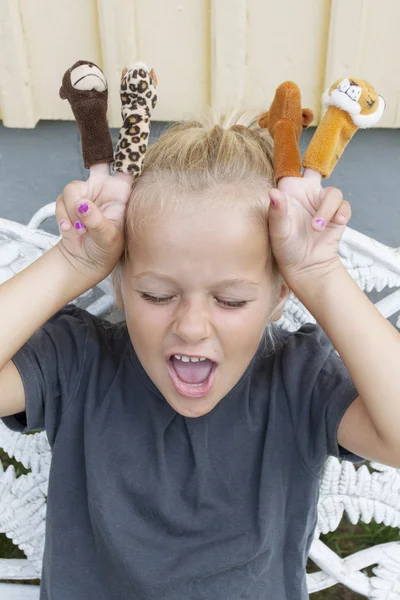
(312, 174)
(63, 220)
(331, 200)
(278, 221)
(94, 222)
(276, 197)
(75, 192)
(343, 213)
(99, 171)
(127, 178)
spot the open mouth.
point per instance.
(184, 377)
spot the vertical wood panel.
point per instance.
(346, 32)
(228, 52)
(57, 34)
(364, 42)
(173, 37)
(219, 52)
(119, 48)
(16, 93)
(287, 40)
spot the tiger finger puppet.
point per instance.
(351, 104)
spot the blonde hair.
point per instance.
(194, 158)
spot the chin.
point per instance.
(194, 410)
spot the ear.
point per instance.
(263, 120)
(63, 95)
(283, 295)
(116, 281)
(308, 116)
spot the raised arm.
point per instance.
(27, 301)
(90, 214)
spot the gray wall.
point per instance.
(36, 164)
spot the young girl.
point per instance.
(188, 444)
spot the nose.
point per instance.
(192, 321)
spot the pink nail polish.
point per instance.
(83, 208)
(79, 225)
(320, 222)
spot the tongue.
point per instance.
(192, 372)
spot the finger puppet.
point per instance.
(138, 99)
(85, 87)
(351, 104)
(285, 121)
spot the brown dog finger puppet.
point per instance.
(285, 121)
(84, 86)
(138, 99)
(351, 104)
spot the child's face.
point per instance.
(197, 252)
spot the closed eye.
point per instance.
(158, 300)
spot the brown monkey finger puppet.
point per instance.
(84, 86)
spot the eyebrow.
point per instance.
(225, 282)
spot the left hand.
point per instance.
(302, 247)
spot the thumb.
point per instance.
(279, 224)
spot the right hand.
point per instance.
(94, 250)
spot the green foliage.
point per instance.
(346, 540)
(7, 461)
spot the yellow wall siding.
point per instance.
(57, 33)
(219, 52)
(173, 37)
(287, 40)
(16, 91)
(365, 42)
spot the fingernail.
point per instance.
(342, 217)
(63, 224)
(320, 222)
(273, 202)
(83, 208)
(79, 225)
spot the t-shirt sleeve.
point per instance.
(319, 390)
(50, 364)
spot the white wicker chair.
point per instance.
(364, 495)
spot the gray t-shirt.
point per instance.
(145, 504)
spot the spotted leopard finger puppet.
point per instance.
(138, 99)
(351, 104)
(84, 86)
(285, 121)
